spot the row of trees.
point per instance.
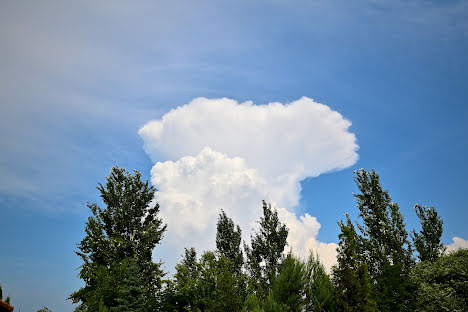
(376, 269)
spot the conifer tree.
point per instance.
(131, 292)
(288, 289)
(252, 304)
(318, 288)
(427, 242)
(350, 274)
(230, 287)
(181, 294)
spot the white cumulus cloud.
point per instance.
(458, 243)
(222, 154)
(303, 136)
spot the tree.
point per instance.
(182, 294)
(252, 304)
(206, 285)
(228, 241)
(288, 289)
(443, 283)
(427, 242)
(230, 287)
(350, 275)
(131, 290)
(386, 248)
(318, 288)
(118, 243)
(265, 255)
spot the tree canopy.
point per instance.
(265, 255)
(427, 242)
(117, 248)
(376, 269)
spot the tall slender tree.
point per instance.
(318, 288)
(386, 248)
(265, 255)
(427, 243)
(350, 275)
(228, 241)
(126, 230)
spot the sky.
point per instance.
(221, 104)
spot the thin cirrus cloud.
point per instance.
(222, 154)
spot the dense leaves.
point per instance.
(265, 255)
(375, 269)
(117, 269)
(350, 274)
(289, 286)
(385, 245)
(443, 283)
(427, 242)
(228, 241)
(318, 287)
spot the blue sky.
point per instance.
(79, 80)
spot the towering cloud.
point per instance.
(458, 243)
(221, 154)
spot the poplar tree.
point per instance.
(427, 243)
(265, 255)
(386, 248)
(318, 288)
(228, 241)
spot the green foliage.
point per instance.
(265, 255)
(318, 288)
(375, 270)
(442, 285)
(427, 243)
(131, 297)
(181, 294)
(271, 305)
(385, 245)
(350, 275)
(252, 304)
(1, 292)
(230, 287)
(7, 299)
(117, 248)
(80, 308)
(289, 286)
(207, 285)
(228, 241)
